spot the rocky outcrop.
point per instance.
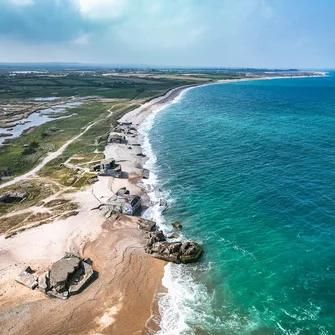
(154, 238)
(173, 235)
(190, 252)
(147, 225)
(176, 252)
(177, 225)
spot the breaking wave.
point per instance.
(185, 299)
(240, 180)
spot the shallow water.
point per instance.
(37, 119)
(249, 168)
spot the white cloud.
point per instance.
(159, 25)
(102, 9)
(82, 39)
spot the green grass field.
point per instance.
(85, 148)
(34, 86)
(23, 153)
(49, 137)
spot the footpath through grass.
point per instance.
(24, 152)
(87, 148)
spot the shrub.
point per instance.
(28, 151)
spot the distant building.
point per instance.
(116, 138)
(109, 168)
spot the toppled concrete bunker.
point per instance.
(123, 202)
(68, 276)
(108, 167)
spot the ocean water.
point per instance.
(249, 170)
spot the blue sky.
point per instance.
(231, 33)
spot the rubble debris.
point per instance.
(147, 225)
(164, 204)
(146, 174)
(122, 191)
(146, 200)
(109, 213)
(80, 278)
(44, 282)
(173, 235)
(176, 252)
(54, 294)
(27, 278)
(92, 180)
(154, 238)
(177, 225)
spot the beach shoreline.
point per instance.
(167, 126)
(128, 279)
(139, 115)
(114, 244)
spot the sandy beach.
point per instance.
(120, 300)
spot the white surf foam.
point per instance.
(151, 184)
(185, 301)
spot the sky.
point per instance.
(185, 33)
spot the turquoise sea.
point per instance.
(249, 171)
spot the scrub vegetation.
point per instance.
(83, 84)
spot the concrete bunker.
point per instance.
(67, 276)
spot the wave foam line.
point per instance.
(184, 295)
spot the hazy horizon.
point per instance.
(151, 66)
